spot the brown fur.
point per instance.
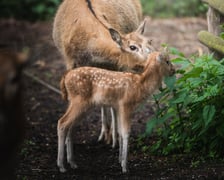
(89, 86)
(84, 39)
(63, 88)
(81, 33)
(11, 116)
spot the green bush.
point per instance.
(28, 9)
(45, 9)
(173, 8)
(189, 115)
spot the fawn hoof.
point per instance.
(124, 167)
(100, 137)
(62, 169)
(73, 165)
(124, 170)
(114, 144)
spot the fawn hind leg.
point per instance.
(64, 130)
(104, 127)
(113, 127)
(124, 130)
(70, 152)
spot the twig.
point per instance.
(42, 82)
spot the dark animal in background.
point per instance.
(11, 115)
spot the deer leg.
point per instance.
(104, 126)
(65, 124)
(113, 127)
(120, 148)
(124, 124)
(125, 140)
(62, 131)
(70, 152)
(119, 138)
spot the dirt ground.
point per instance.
(96, 160)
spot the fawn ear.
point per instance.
(142, 27)
(115, 35)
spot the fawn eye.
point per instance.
(133, 48)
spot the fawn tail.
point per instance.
(64, 92)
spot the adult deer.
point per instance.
(103, 34)
(11, 116)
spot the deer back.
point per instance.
(82, 31)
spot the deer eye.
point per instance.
(133, 48)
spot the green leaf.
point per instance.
(153, 122)
(195, 82)
(193, 73)
(170, 82)
(181, 61)
(40, 8)
(150, 125)
(213, 90)
(222, 35)
(179, 97)
(208, 114)
(176, 52)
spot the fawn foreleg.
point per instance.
(65, 124)
(124, 126)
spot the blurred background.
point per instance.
(34, 10)
(166, 154)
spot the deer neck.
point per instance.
(150, 79)
(114, 55)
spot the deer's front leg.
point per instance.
(104, 128)
(124, 123)
(113, 127)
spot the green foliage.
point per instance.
(45, 9)
(222, 31)
(172, 8)
(189, 115)
(28, 9)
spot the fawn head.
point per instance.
(166, 67)
(134, 42)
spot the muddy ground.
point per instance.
(96, 160)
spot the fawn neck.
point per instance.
(151, 77)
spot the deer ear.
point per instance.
(141, 27)
(115, 35)
(22, 57)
